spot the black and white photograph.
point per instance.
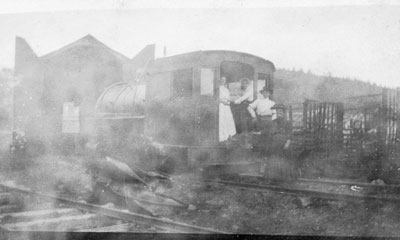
(207, 119)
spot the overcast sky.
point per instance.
(360, 41)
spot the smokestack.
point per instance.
(165, 51)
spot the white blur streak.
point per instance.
(24, 6)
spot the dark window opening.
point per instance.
(264, 80)
(234, 72)
(269, 83)
(182, 83)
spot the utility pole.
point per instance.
(13, 105)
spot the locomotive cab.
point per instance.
(182, 97)
(182, 94)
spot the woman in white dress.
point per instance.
(226, 123)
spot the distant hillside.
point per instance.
(293, 86)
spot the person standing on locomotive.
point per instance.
(247, 96)
(244, 101)
(226, 123)
(262, 113)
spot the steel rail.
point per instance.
(341, 182)
(307, 192)
(337, 182)
(162, 223)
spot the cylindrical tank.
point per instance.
(121, 99)
(120, 113)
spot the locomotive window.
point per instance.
(260, 85)
(207, 82)
(182, 83)
(264, 80)
(234, 72)
(267, 78)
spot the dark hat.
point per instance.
(245, 80)
(279, 106)
(266, 89)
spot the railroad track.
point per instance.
(70, 215)
(384, 187)
(302, 191)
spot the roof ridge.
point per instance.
(90, 39)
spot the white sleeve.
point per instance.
(254, 104)
(274, 115)
(245, 96)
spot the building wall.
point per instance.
(79, 74)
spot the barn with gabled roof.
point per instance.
(78, 72)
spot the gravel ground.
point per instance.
(251, 212)
(229, 209)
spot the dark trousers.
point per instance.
(241, 116)
(264, 124)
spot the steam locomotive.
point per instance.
(175, 106)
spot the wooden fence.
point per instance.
(390, 123)
(356, 129)
(323, 125)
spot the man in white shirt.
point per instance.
(241, 114)
(248, 91)
(261, 112)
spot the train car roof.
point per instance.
(196, 56)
